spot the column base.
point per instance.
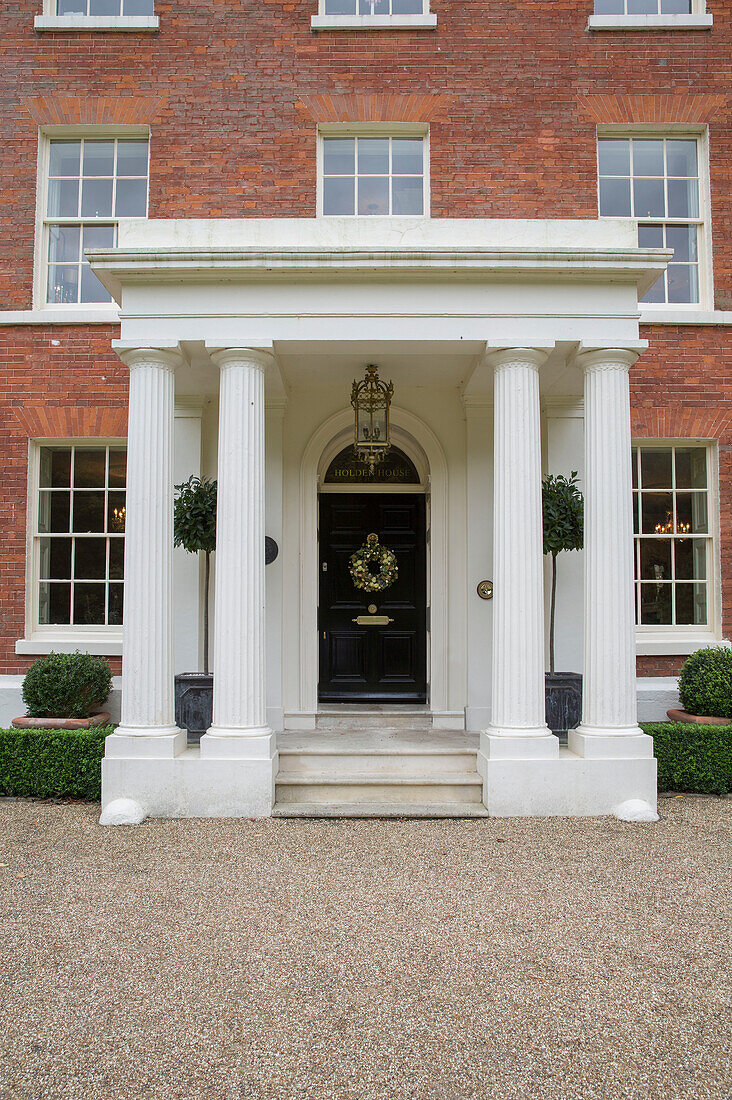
(629, 743)
(237, 743)
(153, 743)
(536, 743)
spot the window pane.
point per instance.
(339, 156)
(99, 155)
(54, 603)
(55, 559)
(634, 466)
(63, 243)
(114, 615)
(55, 463)
(90, 559)
(96, 198)
(89, 604)
(373, 195)
(91, 289)
(71, 7)
(98, 236)
(116, 512)
(691, 604)
(656, 293)
(63, 284)
(131, 199)
(406, 195)
(406, 156)
(88, 511)
(675, 7)
(648, 198)
(373, 156)
(691, 559)
(683, 284)
(681, 155)
(65, 156)
(683, 240)
(642, 7)
(614, 156)
(132, 155)
(691, 513)
(406, 7)
(615, 198)
(63, 199)
(691, 468)
(338, 195)
(340, 7)
(655, 559)
(89, 467)
(656, 469)
(648, 156)
(116, 559)
(117, 467)
(650, 236)
(655, 601)
(683, 199)
(657, 514)
(53, 511)
(104, 7)
(373, 7)
(635, 512)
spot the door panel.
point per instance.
(379, 663)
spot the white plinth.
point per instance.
(519, 746)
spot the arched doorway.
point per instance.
(372, 607)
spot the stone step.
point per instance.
(437, 810)
(358, 789)
(371, 766)
(373, 718)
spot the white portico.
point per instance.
(482, 325)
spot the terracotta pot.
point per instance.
(699, 719)
(104, 718)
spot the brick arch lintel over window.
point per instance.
(676, 423)
(62, 422)
(648, 110)
(94, 110)
(326, 109)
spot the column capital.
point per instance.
(261, 358)
(593, 359)
(509, 357)
(167, 359)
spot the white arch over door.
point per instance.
(404, 425)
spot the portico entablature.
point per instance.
(254, 282)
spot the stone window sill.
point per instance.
(373, 22)
(139, 23)
(97, 644)
(61, 315)
(649, 23)
(671, 316)
(667, 644)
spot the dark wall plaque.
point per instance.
(271, 550)
(395, 469)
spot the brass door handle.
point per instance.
(372, 620)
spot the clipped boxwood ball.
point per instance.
(705, 684)
(66, 685)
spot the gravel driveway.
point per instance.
(430, 960)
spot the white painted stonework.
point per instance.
(509, 344)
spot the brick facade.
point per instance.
(513, 93)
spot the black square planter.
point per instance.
(193, 703)
(563, 701)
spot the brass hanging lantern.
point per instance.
(371, 399)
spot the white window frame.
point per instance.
(696, 20)
(418, 21)
(50, 21)
(46, 135)
(378, 129)
(672, 640)
(61, 638)
(704, 221)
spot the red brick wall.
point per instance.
(513, 91)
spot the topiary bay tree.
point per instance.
(563, 520)
(194, 528)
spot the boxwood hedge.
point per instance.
(692, 757)
(52, 763)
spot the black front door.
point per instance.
(378, 662)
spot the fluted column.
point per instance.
(518, 708)
(147, 663)
(239, 707)
(609, 686)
